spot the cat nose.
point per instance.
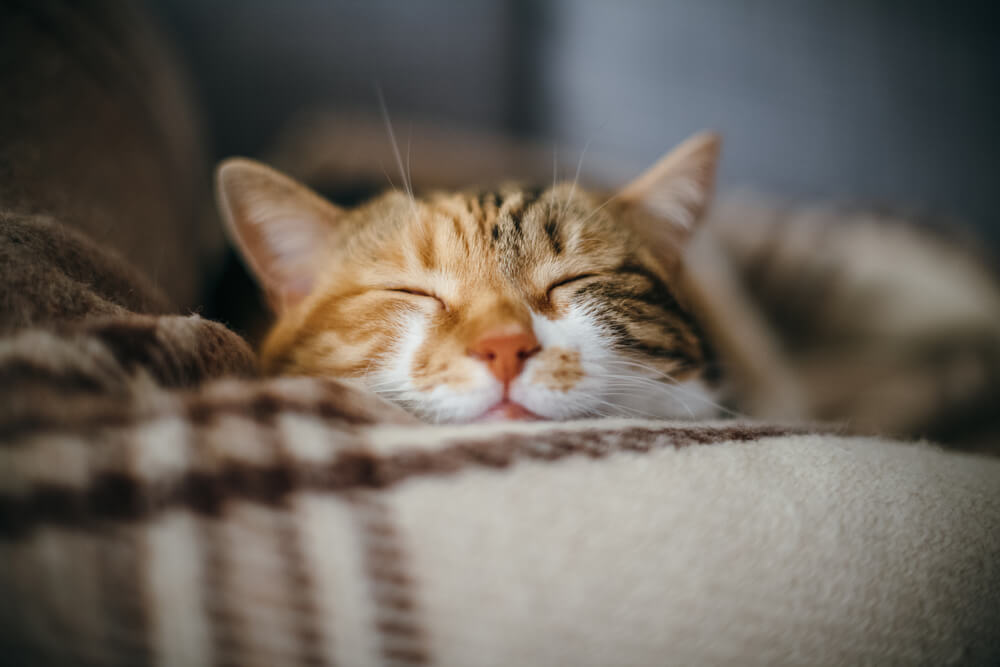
(505, 354)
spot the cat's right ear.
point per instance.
(280, 227)
(672, 195)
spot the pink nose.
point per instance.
(505, 354)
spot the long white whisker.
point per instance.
(576, 180)
(387, 176)
(672, 386)
(656, 371)
(624, 391)
(629, 384)
(395, 148)
(627, 410)
(409, 176)
(599, 208)
(555, 163)
(388, 385)
(633, 412)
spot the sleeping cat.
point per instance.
(487, 304)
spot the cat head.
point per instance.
(513, 302)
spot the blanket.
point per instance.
(290, 522)
(161, 504)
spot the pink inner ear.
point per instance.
(677, 189)
(289, 293)
(279, 226)
(298, 288)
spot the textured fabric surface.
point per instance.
(284, 522)
(98, 132)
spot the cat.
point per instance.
(643, 303)
(514, 302)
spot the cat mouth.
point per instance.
(507, 410)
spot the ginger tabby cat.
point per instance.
(511, 303)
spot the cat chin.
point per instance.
(508, 411)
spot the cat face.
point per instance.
(505, 303)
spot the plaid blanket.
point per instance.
(300, 522)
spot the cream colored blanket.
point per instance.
(293, 522)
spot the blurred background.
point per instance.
(872, 101)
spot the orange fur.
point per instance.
(460, 266)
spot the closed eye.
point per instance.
(570, 279)
(418, 292)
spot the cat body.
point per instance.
(858, 315)
(507, 302)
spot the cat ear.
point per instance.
(674, 193)
(279, 226)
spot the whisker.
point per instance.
(385, 386)
(409, 176)
(576, 179)
(387, 176)
(587, 400)
(632, 381)
(632, 385)
(395, 147)
(555, 162)
(625, 392)
(599, 208)
(674, 386)
(627, 410)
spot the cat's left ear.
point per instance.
(671, 197)
(282, 229)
